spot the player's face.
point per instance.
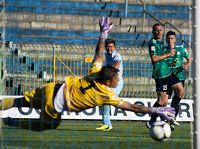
(171, 39)
(114, 81)
(110, 48)
(158, 32)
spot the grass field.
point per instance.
(81, 134)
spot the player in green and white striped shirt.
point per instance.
(161, 71)
(179, 64)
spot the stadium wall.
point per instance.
(26, 20)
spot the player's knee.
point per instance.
(162, 102)
(181, 94)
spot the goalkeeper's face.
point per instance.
(114, 81)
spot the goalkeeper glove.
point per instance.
(105, 26)
(167, 113)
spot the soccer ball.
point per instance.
(160, 130)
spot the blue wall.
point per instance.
(77, 37)
(20, 35)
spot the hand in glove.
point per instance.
(167, 113)
(105, 27)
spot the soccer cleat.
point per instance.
(174, 122)
(102, 127)
(108, 129)
(148, 125)
(172, 127)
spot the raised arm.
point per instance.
(105, 26)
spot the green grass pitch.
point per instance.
(81, 134)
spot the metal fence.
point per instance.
(27, 66)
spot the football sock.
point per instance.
(6, 103)
(154, 116)
(175, 104)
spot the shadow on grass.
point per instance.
(31, 124)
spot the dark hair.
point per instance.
(156, 24)
(170, 33)
(107, 73)
(108, 41)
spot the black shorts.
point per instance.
(174, 80)
(163, 84)
(183, 82)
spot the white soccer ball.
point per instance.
(167, 130)
(160, 130)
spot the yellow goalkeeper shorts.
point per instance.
(42, 98)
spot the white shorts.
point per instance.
(59, 100)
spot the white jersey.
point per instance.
(111, 59)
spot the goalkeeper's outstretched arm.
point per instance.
(167, 113)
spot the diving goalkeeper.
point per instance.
(77, 94)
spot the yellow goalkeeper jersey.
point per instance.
(84, 93)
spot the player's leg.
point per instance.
(178, 95)
(42, 99)
(20, 123)
(49, 117)
(106, 118)
(105, 110)
(161, 101)
(178, 89)
(47, 122)
(33, 99)
(153, 116)
(162, 97)
(177, 86)
(100, 125)
(8, 103)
